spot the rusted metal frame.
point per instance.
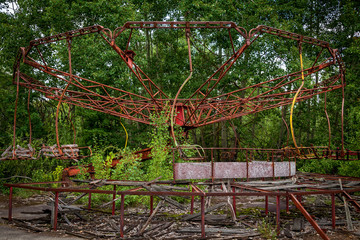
(138, 110)
(121, 54)
(107, 32)
(333, 219)
(202, 123)
(84, 93)
(56, 206)
(192, 120)
(109, 111)
(89, 201)
(122, 206)
(16, 65)
(202, 216)
(42, 58)
(10, 203)
(196, 40)
(173, 160)
(293, 36)
(195, 188)
(311, 92)
(110, 99)
(213, 107)
(71, 122)
(151, 83)
(278, 84)
(15, 111)
(133, 104)
(141, 78)
(243, 111)
(220, 72)
(114, 113)
(351, 200)
(113, 203)
(173, 105)
(242, 32)
(247, 99)
(81, 86)
(272, 80)
(291, 81)
(317, 58)
(128, 42)
(278, 215)
(63, 36)
(308, 217)
(342, 112)
(287, 128)
(220, 112)
(200, 114)
(239, 53)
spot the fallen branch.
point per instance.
(141, 231)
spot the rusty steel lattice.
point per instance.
(204, 106)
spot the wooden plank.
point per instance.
(210, 209)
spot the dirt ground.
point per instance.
(30, 209)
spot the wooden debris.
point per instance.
(347, 211)
(25, 224)
(233, 214)
(149, 219)
(76, 234)
(112, 224)
(168, 200)
(210, 209)
(225, 231)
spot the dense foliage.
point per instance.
(161, 55)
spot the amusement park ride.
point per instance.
(206, 105)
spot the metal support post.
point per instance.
(56, 205)
(10, 204)
(113, 203)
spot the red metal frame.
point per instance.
(201, 108)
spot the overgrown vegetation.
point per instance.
(329, 166)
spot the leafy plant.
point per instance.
(267, 229)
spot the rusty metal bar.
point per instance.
(89, 201)
(308, 217)
(278, 215)
(192, 201)
(202, 216)
(151, 204)
(56, 206)
(10, 204)
(113, 203)
(122, 215)
(333, 217)
(234, 200)
(266, 205)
